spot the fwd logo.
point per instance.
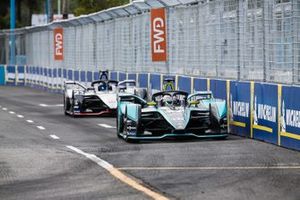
(158, 35)
(58, 44)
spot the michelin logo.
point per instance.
(264, 112)
(289, 117)
(239, 108)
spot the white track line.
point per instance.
(119, 175)
(106, 126)
(12, 112)
(41, 127)
(4, 109)
(20, 116)
(212, 168)
(55, 105)
(54, 137)
(29, 121)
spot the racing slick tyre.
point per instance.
(127, 129)
(119, 124)
(73, 104)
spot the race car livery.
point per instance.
(171, 114)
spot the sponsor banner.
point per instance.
(158, 35)
(290, 117)
(184, 83)
(70, 74)
(239, 106)
(143, 80)
(122, 76)
(76, 75)
(58, 44)
(218, 88)
(82, 76)
(200, 84)
(264, 112)
(114, 76)
(11, 74)
(2, 74)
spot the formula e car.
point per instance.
(99, 99)
(171, 114)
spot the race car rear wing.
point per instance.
(66, 83)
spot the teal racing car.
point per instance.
(171, 114)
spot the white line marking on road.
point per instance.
(106, 126)
(29, 121)
(20, 116)
(4, 108)
(54, 137)
(119, 175)
(41, 127)
(212, 168)
(12, 112)
(55, 105)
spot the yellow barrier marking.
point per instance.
(263, 128)
(279, 113)
(213, 168)
(208, 84)
(240, 124)
(252, 108)
(290, 135)
(119, 175)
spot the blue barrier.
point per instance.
(132, 76)
(54, 73)
(2, 75)
(76, 75)
(20, 75)
(290, 117)
(65, 74)
(143, 80)
(200, 84)
(265, 103)
(96, 76)
(11, 74)
(240, 106)
(184, 83)
(82, 76)
(155, 81)
(59, 73)
(89, 76)
(114, 76)
(122, 76)
(70, 74)
(218, 88)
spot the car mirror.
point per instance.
(151, 103)
(194, 103)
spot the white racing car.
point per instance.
(100, 98)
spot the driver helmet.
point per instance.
(167, 99)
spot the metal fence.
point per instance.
(226, 39)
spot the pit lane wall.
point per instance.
(262, 111)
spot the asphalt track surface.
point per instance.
(36, 161)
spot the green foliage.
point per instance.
(90, 6)
(25, 8)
